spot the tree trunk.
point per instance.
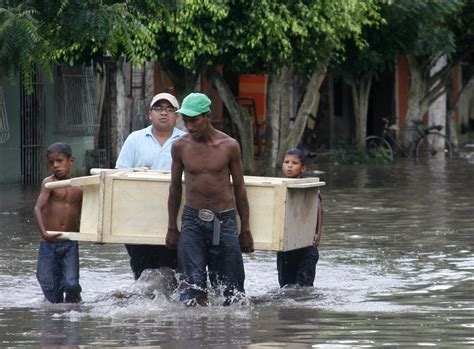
(275, 118)
(429, 79)
(275, 87)
(416, 93)
(183, 80)
(453, 108)
(451, 132)
(309, 106)
(100, 79)
(119, 130)
(360, 100)
(240, 117)
(437, 110)
(286, 110)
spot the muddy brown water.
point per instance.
(396, 269)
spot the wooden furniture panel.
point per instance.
(130, 206)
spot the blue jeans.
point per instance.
(297, 266)
(58, 271)
(196, 251)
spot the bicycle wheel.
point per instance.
(434, 145)
(378, 146)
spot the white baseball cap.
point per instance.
(166, 96)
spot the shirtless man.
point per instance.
(58, 210)
(209, 234)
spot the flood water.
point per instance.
(396, 269)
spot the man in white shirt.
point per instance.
(151, 147)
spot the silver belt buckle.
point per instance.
(206, 215)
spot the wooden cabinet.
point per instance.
(130, 206)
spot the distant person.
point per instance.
(209, 236)
(151, 147)
(58, 210)
(298, 267)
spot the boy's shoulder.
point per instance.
(53, 178)
(49, 179)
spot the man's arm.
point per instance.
(240, 193)
(38, 212)
(174, 198)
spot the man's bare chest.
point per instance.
(205, 159)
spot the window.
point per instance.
(76, 101)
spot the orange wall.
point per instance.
(255, 86)
(402, 86)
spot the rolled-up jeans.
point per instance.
(58, 271)
(196, 251)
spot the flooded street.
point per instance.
(396, 269)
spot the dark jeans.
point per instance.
(150, 257)
(196, 251)
(297, 266)
(58, 271)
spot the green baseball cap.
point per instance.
(195, 104)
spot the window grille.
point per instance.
(4, 128)
(32, 107)
(76, 101)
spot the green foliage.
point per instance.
(257, 36)
(21, 44)
(462, 26)
(426, 29)
(251, 36)
(329, 25)
(81, 31)
(247, 35)
(373, 51)
(350, 156)
(265, 36)
(423, 26)
(179, 33)
(379, 155)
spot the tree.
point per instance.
(188, 37)
(361, 62)
(290, 41)
(275, 38)
(324, 27)
(428, 31)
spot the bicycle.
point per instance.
(310, 143)
(429, 142)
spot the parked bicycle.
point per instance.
(309, 142)
(428, 142)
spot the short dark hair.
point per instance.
(60, 147)
(298, 153)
